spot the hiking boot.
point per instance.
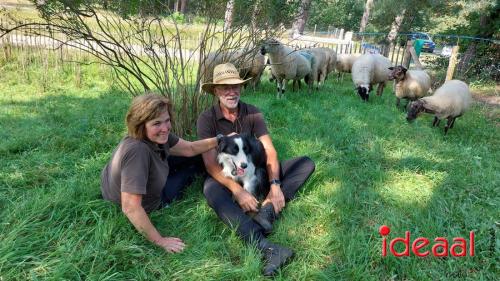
(266, 217)
(275, 256)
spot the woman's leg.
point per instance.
(182, 173)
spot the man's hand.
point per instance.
(171, 244)
(246, 200)
(276, 197)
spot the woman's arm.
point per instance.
(192, 148)
(132, 208)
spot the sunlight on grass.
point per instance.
(408, 187)
(372, 168)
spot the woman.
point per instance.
(136, 176)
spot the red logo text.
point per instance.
(418, 246)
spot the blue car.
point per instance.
(429, 45)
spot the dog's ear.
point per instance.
(222, 144)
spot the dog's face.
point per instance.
(234, 153)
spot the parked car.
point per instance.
(428, 46)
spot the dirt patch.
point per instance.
(489, 97)
(490, 101)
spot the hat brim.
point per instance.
(209, 87)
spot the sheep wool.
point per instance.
(370, 69)
(345, 61)
(415, 84)
(452, 99)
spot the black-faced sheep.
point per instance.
(409, 84)
(370, 69)
(251, 64)
(288, 64)
(449, 101)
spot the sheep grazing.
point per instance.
(272, 78)
(449, 101)
(409, 84)
(288, 64)
(320, 69)
(331, 57)
(370, 69)
(344, 63)
(251, 64)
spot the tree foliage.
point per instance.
(337, 13)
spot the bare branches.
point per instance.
(146, 52)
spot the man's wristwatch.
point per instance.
(275, 181)
(219, 137)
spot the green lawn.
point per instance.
(372, 169)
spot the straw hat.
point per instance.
(224, 74)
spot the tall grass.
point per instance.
(372, 169)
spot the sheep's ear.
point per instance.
(391, 68)
(404, 69)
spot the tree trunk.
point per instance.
(176, 6)
(366, 15)
(183, 6)
(228, 18)
(485, 32)
(301, 19)
(395, 26)
(255, 14)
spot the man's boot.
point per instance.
(275, 256)
(266, 217)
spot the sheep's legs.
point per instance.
(279, 82)
(281, 88)
(398, 101)
(435, 122)
(453, 123)
(380, 88)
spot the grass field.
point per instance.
(372, 169)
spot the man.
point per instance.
(228, 116)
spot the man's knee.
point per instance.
(308, 164)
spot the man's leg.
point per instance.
(182, 173)
(294, 173)
(220, 199)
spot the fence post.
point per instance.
(407, 54)
(452, 63)
(314, 33)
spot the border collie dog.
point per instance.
(243, 159)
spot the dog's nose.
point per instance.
(244, 165)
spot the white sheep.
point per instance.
(449, 101)
(370, 69)
(320, 68)
(331, 57)
(409, 84)
(344, 62)
(288, 64)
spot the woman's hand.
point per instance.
(171, 244)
